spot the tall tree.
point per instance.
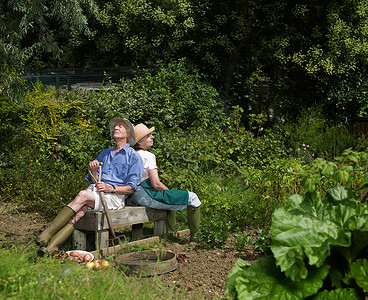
(132, 32)
(320, 53)
(308, 51)
(30, 28)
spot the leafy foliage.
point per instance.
(270, 57)
(315, 243)
(349, 170)
(240, 174)
(174, 96)
(147, 30)
(30, 28)
(325, 140)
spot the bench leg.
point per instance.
(102, 237)
(159, 227)
(79, 240)
(137, 231)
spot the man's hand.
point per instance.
(103, 187)
(94, 165)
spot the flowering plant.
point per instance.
(305, 153)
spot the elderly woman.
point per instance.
(153, 193)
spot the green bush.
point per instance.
(313, 130)
(170, 95)
(240, 206)
(349, 169)
(12, 86)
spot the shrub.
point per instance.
(227, 197)
(214, 232)
(39, 185)
(170, 95)
(349, 169)
(12, 86)
(47, 151)
(325, 140)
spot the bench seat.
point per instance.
(130, 215)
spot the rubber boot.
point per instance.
(58, 239)
(59, 222)
(194, 220)
(171, 223)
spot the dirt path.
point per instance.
(201, 273)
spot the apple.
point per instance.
(90, 265)
(74, 253)
(105, 264)
(97, 265)
(87, 257)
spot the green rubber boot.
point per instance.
(194, 220)
(59, 222)
(171, 223)
(58, 239)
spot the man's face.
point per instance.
(120, 131)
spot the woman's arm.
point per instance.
(155, 180)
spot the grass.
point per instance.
(23, 276)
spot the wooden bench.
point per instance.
(130, 215)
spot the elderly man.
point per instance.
(121, 172)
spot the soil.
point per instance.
(202, 273)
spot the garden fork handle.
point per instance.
(106, 208)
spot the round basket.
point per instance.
(147, 263)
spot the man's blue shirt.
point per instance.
(123, 168)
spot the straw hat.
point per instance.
(140, 131)
(113, 123)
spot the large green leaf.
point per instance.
(359, 272)
(338, 294)
(305, 230)
(342, 195)
(315, 244)
(263, 280)
(234, 273)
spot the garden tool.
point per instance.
(59, 222)
(194, 219)
(58, 239)
(108, 217)
(106, 208)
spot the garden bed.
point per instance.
(201, 272)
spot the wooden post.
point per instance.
(159, 227)
(102, 237)
(79, 240)
(137, 231)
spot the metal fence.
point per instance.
(68, 79)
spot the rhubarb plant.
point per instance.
(319, 247)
